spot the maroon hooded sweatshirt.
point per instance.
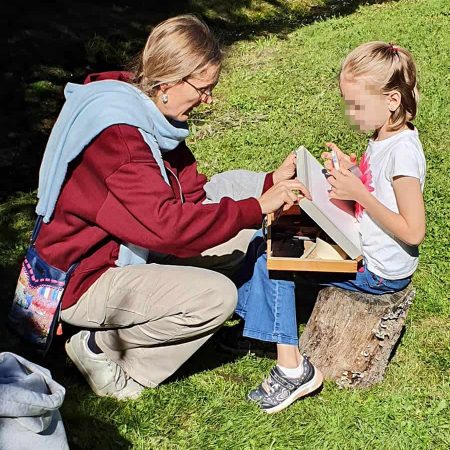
(114, 192)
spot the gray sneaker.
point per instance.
(105, 377)
(278, 391)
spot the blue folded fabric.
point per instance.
(29, 406)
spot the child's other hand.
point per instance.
(287, 169)
(345, 185)
(345, 161)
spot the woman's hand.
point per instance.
(345, 161)
(287, 169)
(284, 194)
(345, 185)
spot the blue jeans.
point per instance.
(266, 301)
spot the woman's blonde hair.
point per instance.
(386, 67)
(176, 48)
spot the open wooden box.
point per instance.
(288, 238)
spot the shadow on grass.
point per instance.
(52, 43)
(16, 221)
(86, 432)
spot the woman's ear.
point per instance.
(394, 99)
(163, 87)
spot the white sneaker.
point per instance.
(105, 377)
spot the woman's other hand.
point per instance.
(283, 194)
(287, 169)
(345, 161)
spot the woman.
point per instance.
(121, 197)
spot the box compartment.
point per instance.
(290, 234)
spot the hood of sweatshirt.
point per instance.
(112, 75)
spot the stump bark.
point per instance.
(351, 336)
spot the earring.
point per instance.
(164, 98)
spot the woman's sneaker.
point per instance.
(278, 391)
(105, 377)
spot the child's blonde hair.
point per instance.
(176, 48)
(386, 67)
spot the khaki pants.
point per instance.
(150, 318)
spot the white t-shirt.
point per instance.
(399, 155)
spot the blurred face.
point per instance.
(186, 95)
(367, 109)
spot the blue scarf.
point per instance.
(87, 111)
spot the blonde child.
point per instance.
(379, 87)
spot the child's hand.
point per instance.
(345, 161)
(287, 169)
(345, 185)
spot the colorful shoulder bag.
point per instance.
(35, 310)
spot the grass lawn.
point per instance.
(279, 90)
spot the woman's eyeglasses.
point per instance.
(203, 93)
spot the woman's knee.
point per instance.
(229, 299)
(222, 299)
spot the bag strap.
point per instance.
(36, 229)
(72, 268)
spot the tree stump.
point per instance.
(351, 336)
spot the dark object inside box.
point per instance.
(289, 233)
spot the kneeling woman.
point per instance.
(120, 196)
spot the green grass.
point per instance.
(277, 92)
(255, 12)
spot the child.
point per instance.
(378, 84)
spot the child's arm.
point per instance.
(408, 224)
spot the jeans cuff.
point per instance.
(240, 313)
(270, 337)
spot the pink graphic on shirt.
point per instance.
(366, 179)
